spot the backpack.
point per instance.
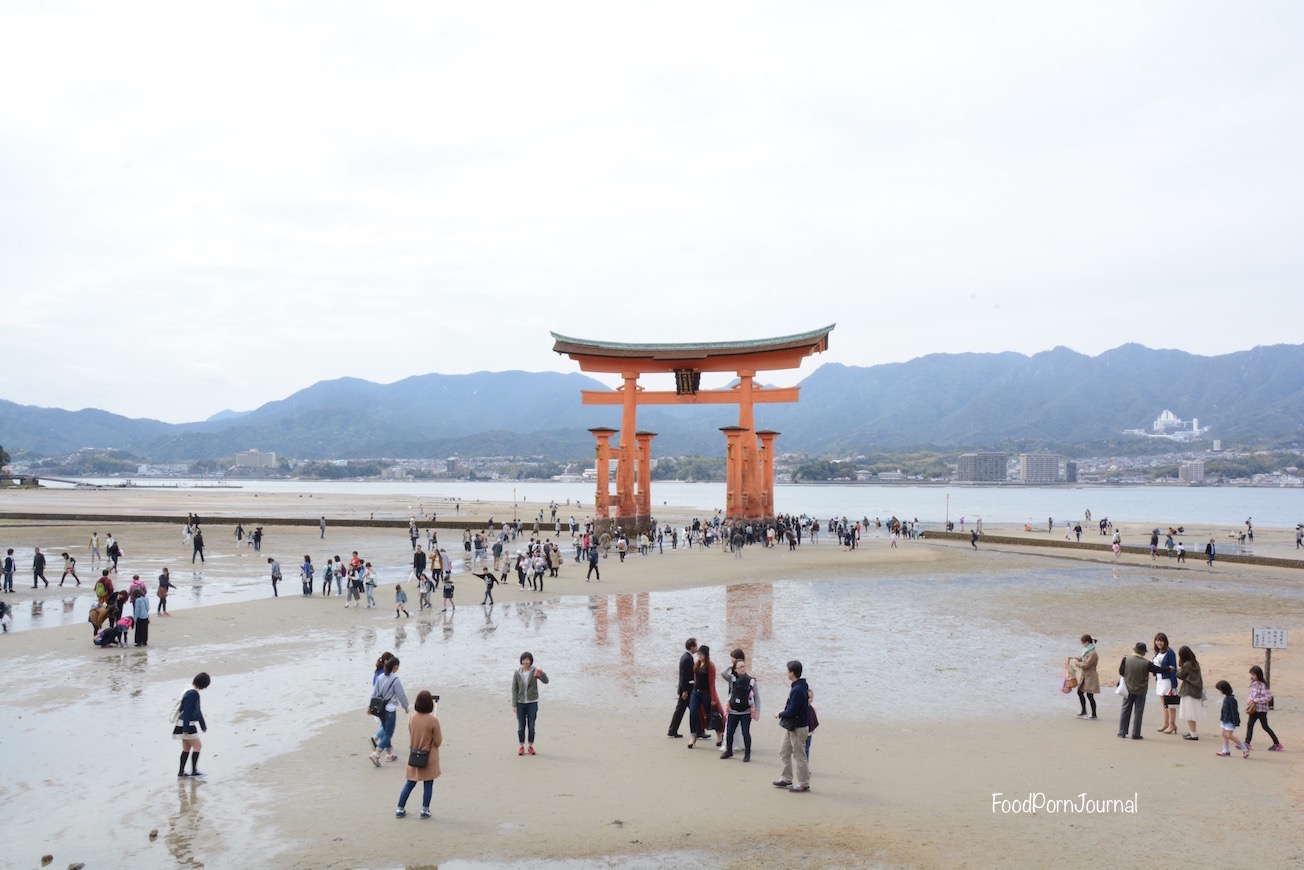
(740, 694)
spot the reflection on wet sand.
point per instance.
(748, 615)
(183, 824)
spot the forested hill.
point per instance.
(940, 401)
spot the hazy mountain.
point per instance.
(942, 401)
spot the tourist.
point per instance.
(188, 717)
(793, 718)
(743, 704)
(1166, 682)
(388, 688)
(973, 536)
(355, 586)
(69, 567)
(1135, 671)
(140, 613)
(1181, 552)
(685, 685)
(38, 568)
(369, 583)
(327, 575)
(199, 546)
(400, 601)
(113, 550)
(1230, 720)
(1088, 677)
(104, 586)
(448, 596)
(323, 528)
(424, 739)
(489, 580)
(525, 700)
(339, 575)
(9, 568)
(164, 584)
(1190, 688)
(305, 575)
(1256, 707)
(95, 548)
(276, 575)
(704, 701)
(1210, 551)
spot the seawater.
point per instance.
(1171, 505)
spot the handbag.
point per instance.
(418, 758)
(1121, 689)
(1251, 708)
(714, 721)
(1070, 682)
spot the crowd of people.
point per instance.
(1180, 686)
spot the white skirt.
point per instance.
(1190, 709)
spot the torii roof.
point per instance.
(785, 351)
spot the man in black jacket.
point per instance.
(685, 686)
(38, 568)
(418, 562)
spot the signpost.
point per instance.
(1268, 639)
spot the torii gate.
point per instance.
(749, 477)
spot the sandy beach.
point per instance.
(936, 670)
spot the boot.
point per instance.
(727, 754)
(747, 755)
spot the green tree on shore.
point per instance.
(4, 458)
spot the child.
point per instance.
(327, 575)
(448, 595)
(1231, 720)
(426, 588)
(400, 601)
(5, 620)
(489, 581)
(1257, 708)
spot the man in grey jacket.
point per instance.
(1135, 671)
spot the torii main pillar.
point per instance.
(750, 468)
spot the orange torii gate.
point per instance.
(749, 467)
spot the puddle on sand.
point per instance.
(856, 639)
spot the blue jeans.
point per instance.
(386, 742)
(525, 714)
(428, 787)
(698, 704)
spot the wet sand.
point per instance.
(936, 671)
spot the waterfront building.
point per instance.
(1191, 472)
(255, 459)
(1039, 467)
(983, 467)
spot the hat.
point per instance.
(1140, 646)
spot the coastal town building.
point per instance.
(1070, 471)
(1191, 472)
(1039, 467)
(255, 459)
(981, 467)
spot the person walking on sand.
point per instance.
(95, 548)
(190, 721)
(525, 700)
(424, 739)
(704, 700)
(593, 565)
(276, 575)
(198, 542)
(164, 584)
(323, 528)
(1181, 552)
(369, 583)
(38, 569)
(685, 687)
(1230, 720)
(305, 575)
(793, 718)
(1256, 707)
(1190, 689)
(69, 567)
(113, 551)
(1088, 676)
(400, 601)
(489, 580)
(9, 568)
(389, 688)
(973, 538)
(743, 702)
(1210, 551)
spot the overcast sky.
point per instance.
(212, 206)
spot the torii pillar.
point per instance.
(733, 461)
(767, 437)
(602, 498)
(644, 501)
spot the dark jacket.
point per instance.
(38, 563)
(1231, 713)
(419, 562)
(685, 671)
(190, 711)
(798, 701)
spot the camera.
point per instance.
(436, 699)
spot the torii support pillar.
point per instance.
(767, 437)
(644, 440)
(602, 497)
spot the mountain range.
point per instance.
(944, 402)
